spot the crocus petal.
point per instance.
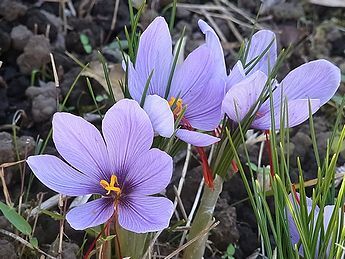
(193, 75)
(160, 114)
(236, 75)
(142, 214)
(150, 174)
(317, 79)
(80, 144)
(212, 41)
(62, 178)
(154, 54)
(242, 96)
(195, 138)
(259, 42)
(205, 113)
(91, 214)
(128, 133)
(298, 112)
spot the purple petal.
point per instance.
(160, 114)
(317, 79)
(154, 54)
(141, 214)
(237, 74)
(80, 144)
(204, 113)
(193, 75)
(150, 174)
(62, 178)
(195, 138)
(128, 134)
(298, 112)
(259, 42)
(212, 42)
(136, 82)
(91, 214)
(241, 97)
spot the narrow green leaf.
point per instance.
(16, 220)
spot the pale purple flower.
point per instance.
(195, 85)
(315, 82)
(327, 214)
(260, 41)
(122, 168)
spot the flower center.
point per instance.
(112, 186)
(178, 104)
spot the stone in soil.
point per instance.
(12, 10)
(36, 54)
(20, 36)
(7, 250)
(226, 232)
(34, 18)
(44, 101)
(25, 147)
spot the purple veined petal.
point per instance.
(91, 214)
(150, 173)
(142, 214)
(154, 54)
(298, 112)
(128, 133)
(160, 114)
(294, 234)
(62, 178)
(80, 144)
(259, 42)
(204, 113)
(241, 97)
(195, 138)
(193, 75)
(236, 75)
(212, 41)
(136, 82)
(318, 79)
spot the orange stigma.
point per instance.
(178, 104)
(111, 186)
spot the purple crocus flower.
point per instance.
(327, 214)
(194, 86)
(260, 41)
(316, 81)
(121, 168)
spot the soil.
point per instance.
(31, 30)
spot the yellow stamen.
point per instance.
(111, 186)
(178, 105)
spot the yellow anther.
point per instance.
(178, 105)
(111, 186)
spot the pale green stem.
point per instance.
(202, 219)
(133, 245)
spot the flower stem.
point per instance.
(202, 218)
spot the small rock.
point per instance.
(36, 54)
(6, 148)
(4, 223)
(43, 101)
(7, 250)
(20, 36)
(288, 11)
(69, 250)
(35, 18)
(12, 10)
(226, 232)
